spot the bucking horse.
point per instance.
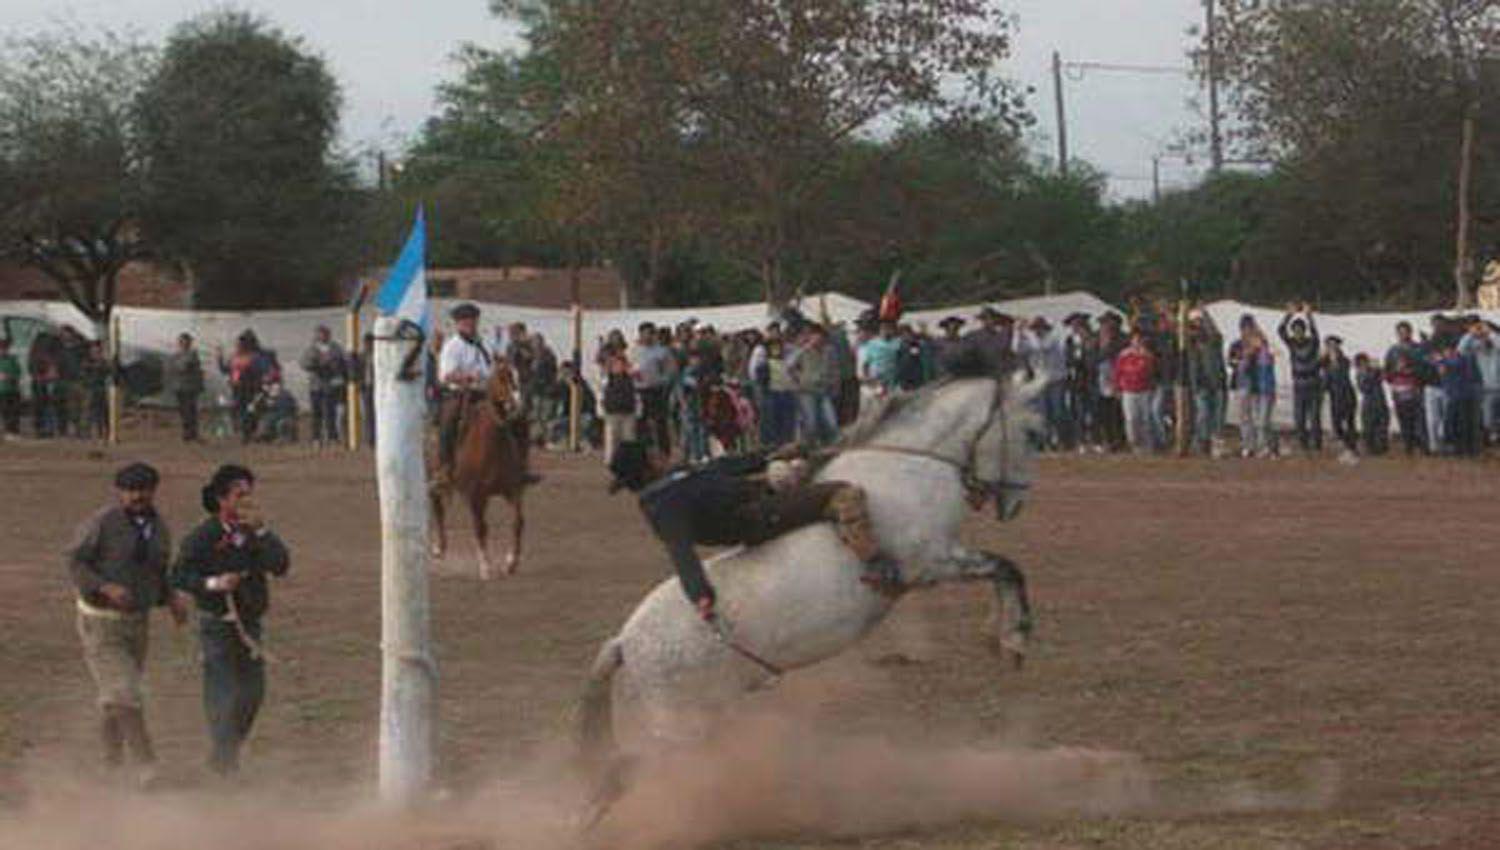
(923, 460)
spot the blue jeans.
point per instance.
(694, 437)
(1055, 414)
(782, 409)
(234, 684)
(817, 422)
(1208, 416)
(1435, 404)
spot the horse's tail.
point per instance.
(596, 711)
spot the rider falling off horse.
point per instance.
(742, 500)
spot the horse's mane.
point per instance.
(966, 363)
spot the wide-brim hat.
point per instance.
(952, 321)
(1040, 322)
(466, 310)
(1076, 317)
(991, 313)
(1111, 318)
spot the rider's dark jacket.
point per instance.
(710, 504)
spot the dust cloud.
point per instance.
(772, 776)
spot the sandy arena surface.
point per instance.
(1280, 654)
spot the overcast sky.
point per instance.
(389, 55)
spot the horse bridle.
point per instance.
(968, 467)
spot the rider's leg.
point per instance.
(838, 502)
(448, 417)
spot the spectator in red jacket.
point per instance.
(1135, 378)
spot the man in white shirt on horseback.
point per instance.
(464, 366)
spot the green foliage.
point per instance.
(1362, 105)
(238, 125)
(69, 160)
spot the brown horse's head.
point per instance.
(502, 392)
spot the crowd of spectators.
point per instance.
(1111, 386)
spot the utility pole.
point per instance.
(1215, 131)
(1156, 178)
(1062, 115)
(1462, 265)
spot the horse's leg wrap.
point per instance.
(851, 517)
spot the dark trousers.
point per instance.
(245, 417)
(1307, 411)
(1342, 407)
(187, 410)
(656, 413)
(44, 411)
(10, 412)
(1463, 425)
(1409, 417)
(1111, 423)
(98, 412)
(1375, 425)
(455, 409)
(234, 685)
(325, 415)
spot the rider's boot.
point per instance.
(851, 517)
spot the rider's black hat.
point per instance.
(466, 310)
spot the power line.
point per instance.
(1128, 69)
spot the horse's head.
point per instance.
(502, 392)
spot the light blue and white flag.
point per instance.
(404, 293)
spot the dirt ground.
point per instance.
(1288, 654)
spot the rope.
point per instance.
(721, 631)
(257, 652)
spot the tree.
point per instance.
(1366, 104)
(245, 189)
(682, 115)
(70, 176)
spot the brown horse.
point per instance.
(489, 460)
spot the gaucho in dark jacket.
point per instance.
(726, 502)
(223, 564)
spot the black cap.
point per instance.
(466, 310)
(954, 321)
(1336, 340)
(137, 476)
(1076, 317)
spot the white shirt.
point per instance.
(1048, 355)
(461, 357)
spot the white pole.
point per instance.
(408, 673)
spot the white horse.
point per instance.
(922, 460)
